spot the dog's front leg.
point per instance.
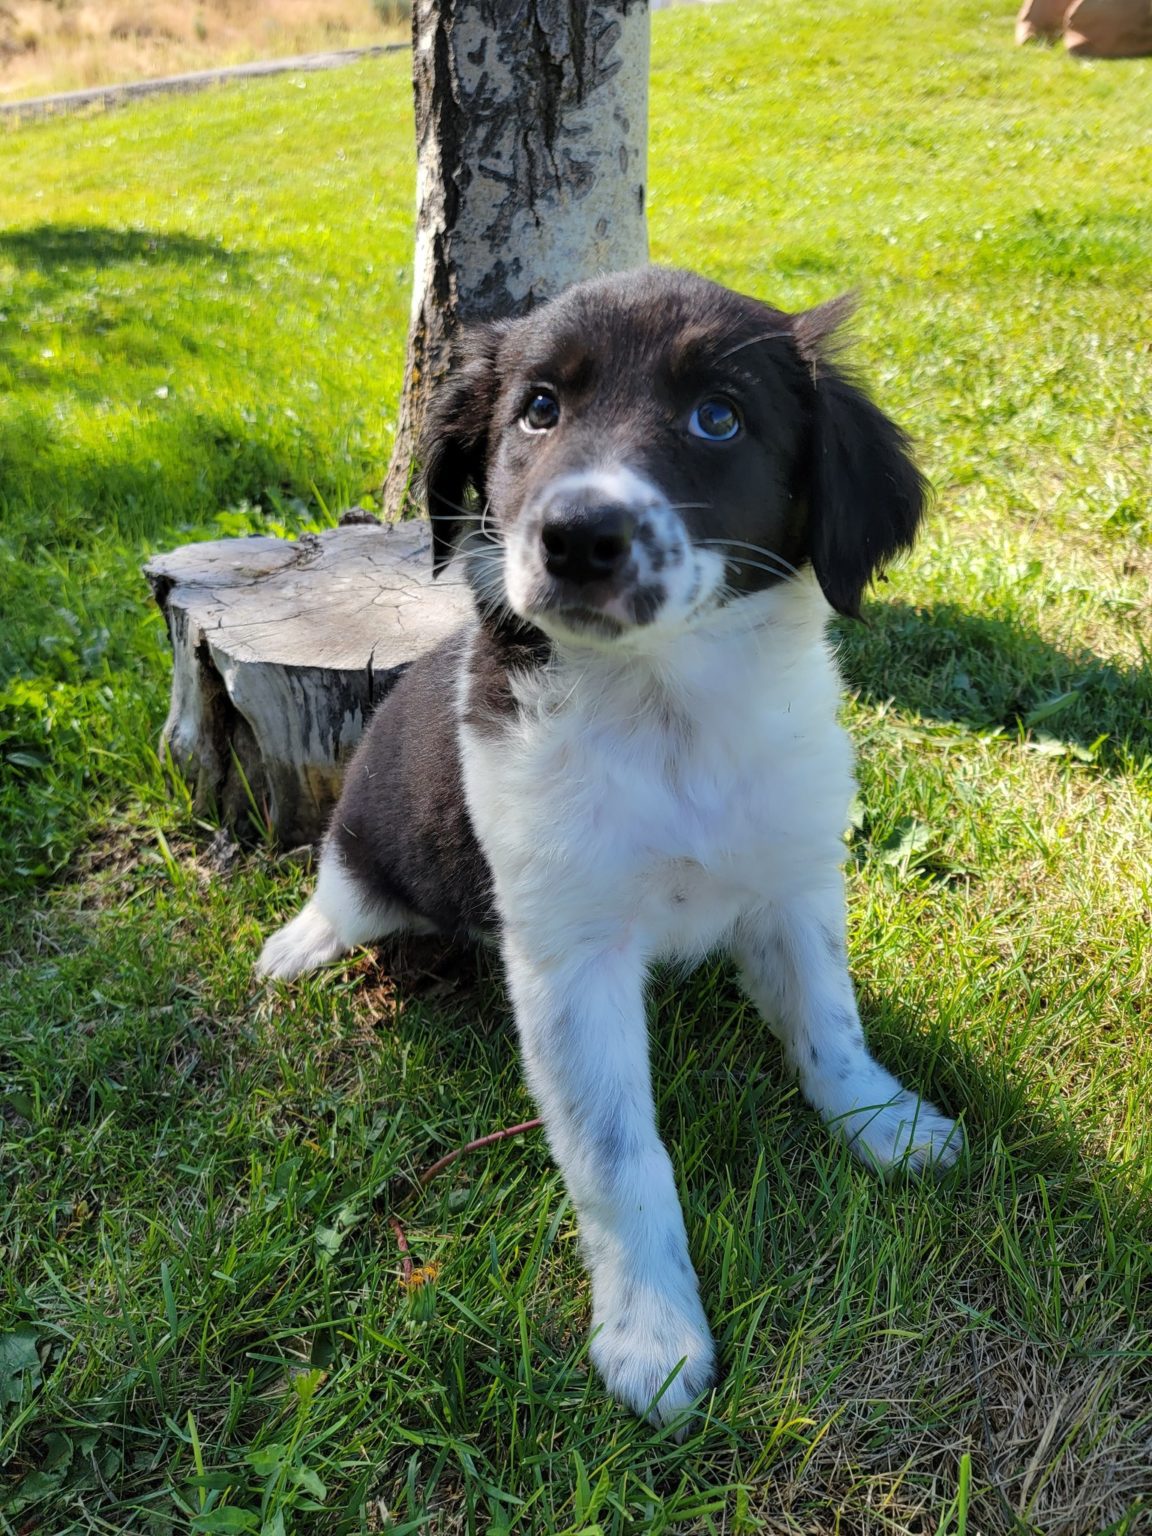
(793, 963)
(585, 1047)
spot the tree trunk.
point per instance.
(531, 127)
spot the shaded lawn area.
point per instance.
(204, 304)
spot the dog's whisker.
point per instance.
(772, 570)
(459, 514)
(481, 538)
(752, 341)
(478, 542)
(757, 549)
(434, 492)
(446, 501)
(739, 546)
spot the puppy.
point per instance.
(659, 491)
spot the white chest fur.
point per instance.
(653, 798)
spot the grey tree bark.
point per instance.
(531, 131)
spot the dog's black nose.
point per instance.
(587, 544)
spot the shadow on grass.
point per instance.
(107, 294)
(55, 249)
(118, 309)
(1002, 1105)
(944, 663)
(103, 298)
(1006, 1108)
(209, 450)
(691, 1016)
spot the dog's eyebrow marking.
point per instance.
(692, 349)
(569, 364)
(702, 351)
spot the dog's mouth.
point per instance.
(584, 620)
(603, 610)
(612, 614)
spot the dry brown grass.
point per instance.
(63, 45)
(1059, 1443)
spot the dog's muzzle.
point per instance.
(599, 553)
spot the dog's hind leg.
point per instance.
(339, 916)
(794, 967)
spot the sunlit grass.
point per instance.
(203, 332)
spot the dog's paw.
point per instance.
(908, 1135)
(654, 1351)
(304, 944)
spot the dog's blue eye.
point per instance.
(542, 413)
(715, 420)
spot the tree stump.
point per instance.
(281, 649)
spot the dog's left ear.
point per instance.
(865, 494)
(453, 448)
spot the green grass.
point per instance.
(204, 305)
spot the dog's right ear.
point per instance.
(453, 449)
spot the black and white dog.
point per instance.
(660, 490)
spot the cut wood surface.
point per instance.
(281, 650)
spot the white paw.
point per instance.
(305, 943)
(646, 1337)
(908, 1134)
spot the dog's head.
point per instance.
(650, 447)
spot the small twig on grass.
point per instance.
(410, 1276)
(429, 1174)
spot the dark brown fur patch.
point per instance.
(401, 825)
(497, 654)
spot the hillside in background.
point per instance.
(64, 45)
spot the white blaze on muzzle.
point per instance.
(607, 543)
